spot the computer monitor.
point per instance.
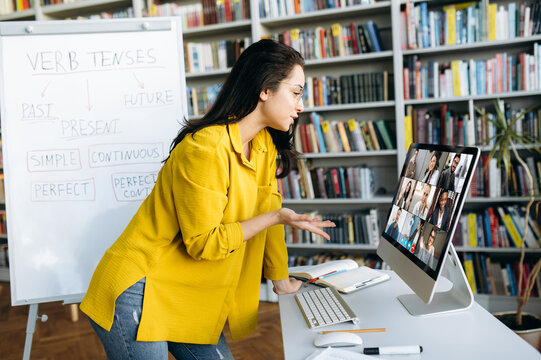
(417, 233)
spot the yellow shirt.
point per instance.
(186, 239)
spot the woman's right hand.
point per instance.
(304, 222)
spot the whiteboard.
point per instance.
(88, 112)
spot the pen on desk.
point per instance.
(322, 276)
(393, 350)
(364, 283)
(353, 331)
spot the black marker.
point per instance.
(393, 350)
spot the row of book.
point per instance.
(445, 126)
(502, 73)
(215, 55)
(10, 6)
(336, 40)
(202, 98)
(466, 23)
(489, 180)
(490, 277)
(2, 188)
(3, 222)
(276, 8)
(206, 12)
(127, 13)
(499, 227)
(347, 89)
(307, 182)
(322, 136)
(351, 229)
(4, 257)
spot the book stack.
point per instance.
(214, 55)
(500, 227)
(4, 257)
(351, 228)
(336, 40)
(445, 126)
(190, 15)
(10, 6)
(463, 78)
(355, 182)
(118, 14)
(322, 136)
(201, 99)
(276, 8)
(3, 222)
(204, 13)
(347, 89)
(466, 23)
(491, 181)
(486, 276)
(502, 73)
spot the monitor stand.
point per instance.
(458, 298)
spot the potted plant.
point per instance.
(505, 141)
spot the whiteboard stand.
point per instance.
(30, 328)
(144, 60)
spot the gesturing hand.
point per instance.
(304, 222)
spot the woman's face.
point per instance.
(431, 238)
(408, 186)
(432, 164)
(282, 107)
(426, 192)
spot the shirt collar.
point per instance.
(258, 142)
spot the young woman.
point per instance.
(192, 256)
(404, 200)
(426, 251)
(421, 208)
(432, 173)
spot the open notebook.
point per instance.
(344, 275)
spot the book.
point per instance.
(344, 275)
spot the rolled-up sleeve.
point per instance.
(200, 185)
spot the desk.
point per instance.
(472, 334)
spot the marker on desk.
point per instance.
(319, 277)
(393, 350)
(334, 272)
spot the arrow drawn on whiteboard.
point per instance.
(45, 89)
(89, 107)
(139, 83)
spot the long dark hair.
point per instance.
(436, 154)
(263, 65)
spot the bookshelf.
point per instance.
(393, 59)
(518, 98)
(73, 10)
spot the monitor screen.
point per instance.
(428, 201)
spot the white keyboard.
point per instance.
(324, 306)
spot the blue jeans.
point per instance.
(120, 343)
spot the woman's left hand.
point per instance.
(304, 222)
(286, 286)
